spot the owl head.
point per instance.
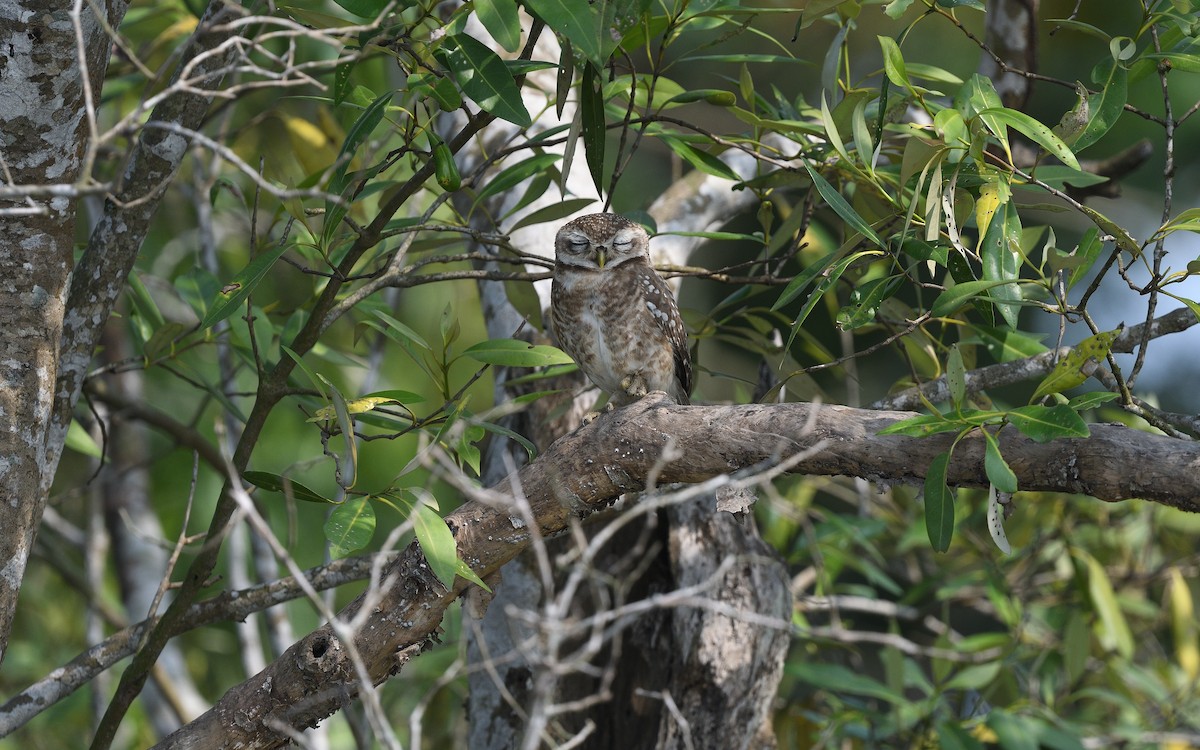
(601, 241)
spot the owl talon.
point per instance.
(588, 418)
(634, 386)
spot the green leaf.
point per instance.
(998, 471)
(893, 63)
(437, 542)
(143, 301)
(80, 441)
(865, 301)
(1005, 345)
(1000, 251)
(553, 212)
(974, 677)
(402, 330)
(1034, 131)
(1045, 423)
(976, 96)
(1075, 368)
(363, 8)
(1013, 732)
(591, 112)
(276, 483)
(960, 294)
(516, 353)
(1088, 250)
(1092, 400)
(956, 377)
(922, 426)
(512, 176)
(1188, 221)
(346, 470)
(701, 160)
(483, 77)
(1114, 630)
(350, 526)
(338, 182)
(312, 376)
(804, 278)
(434, 536)
(841, 207)
(1104, 107)
(501, 20)
(233, 294)
(939, 504)
(827, 283)
(839, 679)
(952, 736)
(594, 28)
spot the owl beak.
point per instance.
(601, 256)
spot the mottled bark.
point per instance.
(45, 130)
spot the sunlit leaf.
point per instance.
(1035, 131)
(502, 21)
(1000, 251)
(1075, 368)
(1046, 423)
(350, 526)
(516, 353)
(1114, 629)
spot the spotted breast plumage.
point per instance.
(614, 315)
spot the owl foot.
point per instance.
(634, 386)
(593, 415)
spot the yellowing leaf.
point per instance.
(1113, 628)
(1074, 369)
(1183, 624)
(356, 406)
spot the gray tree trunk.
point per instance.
(43, 88)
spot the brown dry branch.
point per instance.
(584, 471)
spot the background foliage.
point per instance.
(906, 223)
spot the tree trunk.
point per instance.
(46, 100)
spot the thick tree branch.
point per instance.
(225, 607)
(581, 473)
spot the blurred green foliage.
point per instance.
(895, 238)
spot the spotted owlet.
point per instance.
(614, 315)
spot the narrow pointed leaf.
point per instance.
(229, 300)
(939, 504)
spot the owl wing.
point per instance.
(665, 312)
